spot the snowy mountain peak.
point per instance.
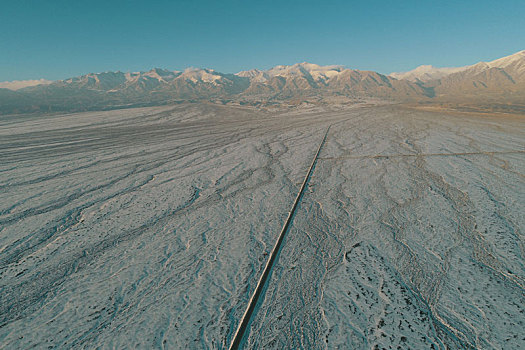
(501, 62)
(307, 70)
(161, 74)
(426, 73)
(515, 63)
(201, 75)
(254, 75)
(304, 67)
(500, 80)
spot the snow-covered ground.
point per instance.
(149, 228)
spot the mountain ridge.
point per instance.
(499, 81)
(425, 73)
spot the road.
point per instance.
(151, 227)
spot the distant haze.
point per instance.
(19, 84)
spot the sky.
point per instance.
(57, 39)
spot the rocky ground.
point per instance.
(149, 228)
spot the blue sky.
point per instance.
(56, 39)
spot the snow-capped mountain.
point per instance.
(312, 71)
(514, 66)
(426, 73)
(498, 81)
(501, 81)
(301, 78)
(254, 75)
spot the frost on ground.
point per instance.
(148, 228)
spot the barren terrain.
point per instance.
(149, 228)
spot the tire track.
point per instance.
(242, 329)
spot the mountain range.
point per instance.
(500, 82)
